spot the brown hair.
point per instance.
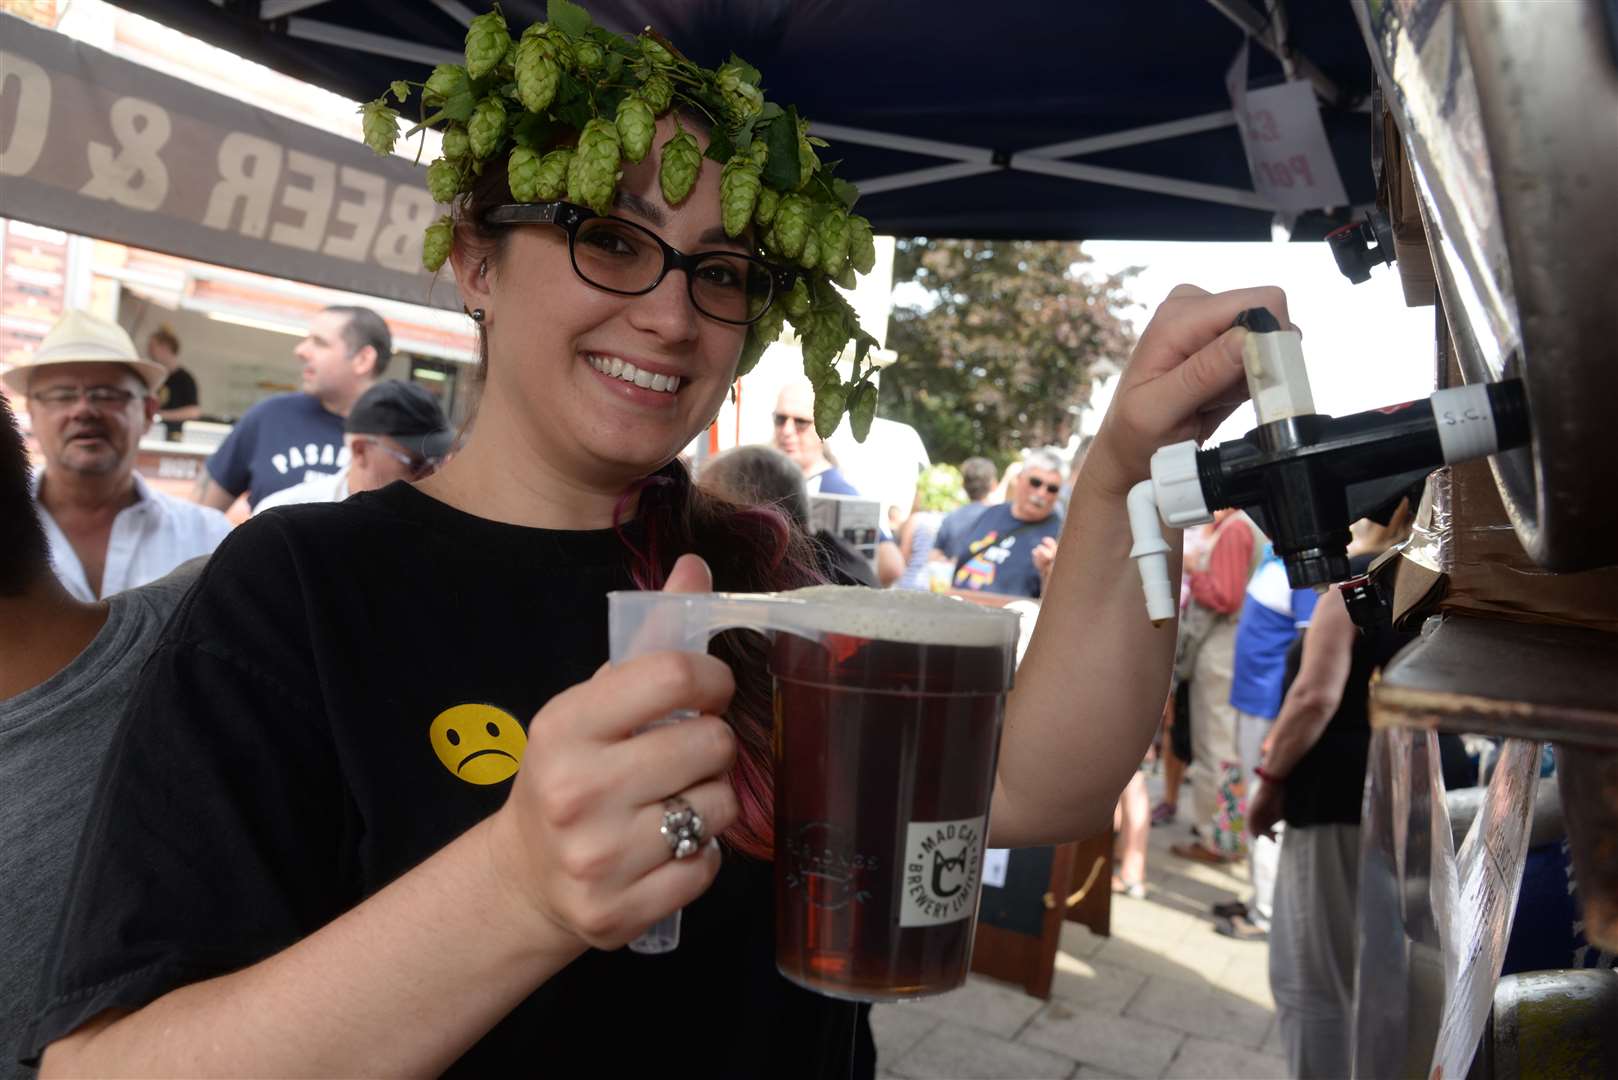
(165, 335)
(749, 549)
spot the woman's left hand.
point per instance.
(1184, 378)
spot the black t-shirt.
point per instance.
(177, 391)
(276, 768)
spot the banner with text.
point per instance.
(100, 146)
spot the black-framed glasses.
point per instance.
(802, 424)
(99, 397)
(622, 257)
(1053, 486)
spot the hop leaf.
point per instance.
(456, 143)
(443, 180)
(537, 75)
(445, 82)
(487, 128)
(592, 175)
(833, 236)
(435, 244)
(861, 244)
(380, 125)
(769, 200)
(657, 92)
(738, 191)
(792, 225)
(808, 162)
(830, 400)
(522, 174)
(635, 127)
(550, 182)
(861, 410)
(682, 161)
(486, 43)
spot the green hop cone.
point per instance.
(845, 277)
(436, 243)
(635, 127)
(833, 235)
(456, 143)
(861, 244)
(830, 399)
(682, 160)
(592, 175)
(758, 152)
(862, 410)
(537, 75)
(743, 100)
(738, 192)
(769, 200)
(553, 43)
(657, 92)
(486, 43)
(589, 56)
(380, 125)
(809, 257)
(796, 301)
(522, 174)
(445, 82)
(792, 225)
(487, 127)
(654, 52)
(550, 180)
(443, 180)
(760, 336)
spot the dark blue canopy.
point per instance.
(991, 81)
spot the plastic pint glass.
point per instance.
(886, 735)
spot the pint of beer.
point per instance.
(886, 734)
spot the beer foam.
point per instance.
(915, 617)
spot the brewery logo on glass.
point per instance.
(823, 864)
(942, 864)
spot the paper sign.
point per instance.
(1287, 151)
(995, 861)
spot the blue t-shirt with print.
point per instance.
(1272, 614)
(281, 441)
(998, 553)
(953, 530)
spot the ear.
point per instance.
(473, 285)
(149, 409)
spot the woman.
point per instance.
(937, 494)
(294, 868)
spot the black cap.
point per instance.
(405, 413)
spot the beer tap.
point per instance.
(1304, 476)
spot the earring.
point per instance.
(477, 315)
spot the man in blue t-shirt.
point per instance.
(1011, 546)
(290, 438)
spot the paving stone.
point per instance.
(1200, 1059)
(1204, 1011)
(1101, 1040)
(897, 1028)
(1272, 1041)
(1093, 984)
(985, 1004)
(1087, 1073)
(961, 1053)
(1248, 975)
(1196, 959)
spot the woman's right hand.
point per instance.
(579, 840)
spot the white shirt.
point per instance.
(149, 538)
(317, 488)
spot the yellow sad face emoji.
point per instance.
(478, 743)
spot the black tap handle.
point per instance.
(1258, 320)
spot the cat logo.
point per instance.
(943, 869)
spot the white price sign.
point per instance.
(1287, 149)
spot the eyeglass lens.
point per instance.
(1043, 485)
(623, 257)
(797, 421)
(101, 397)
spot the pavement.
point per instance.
(1164, 996)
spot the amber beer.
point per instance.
(884, 764)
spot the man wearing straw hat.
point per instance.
(90, 399)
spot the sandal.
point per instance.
(1229, 909)
(1135, 890)
(1198, 853)
(1164, 813)
(1241, 928)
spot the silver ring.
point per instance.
(682, 827)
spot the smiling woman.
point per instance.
(323, 843)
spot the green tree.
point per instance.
(1001, 344)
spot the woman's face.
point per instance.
(551, 334)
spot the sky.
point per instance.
(1363, 347)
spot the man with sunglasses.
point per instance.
(796, 437)
(90, 399)
(395, 431)
(1009, 548)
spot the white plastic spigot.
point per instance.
(1175, 493)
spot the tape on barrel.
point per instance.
(1465, 422)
